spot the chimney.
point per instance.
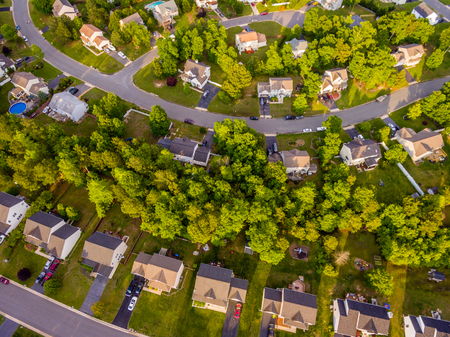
(196, 61)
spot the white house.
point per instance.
(92, 36)
(12, 211)
(331, 5)
(295, 161)
(334, 80)
(63, 240)
(276, 87)
(425, 326)
(6, 62)
(201, 156)
(208, 4)
(408, 55)
(165, 13)
(196, 73)
(298, 47)
(68, 105)
(424, 12)
(361, 151)
(421, 144)
(29, 83)
(132, 18)
(162, 272)
(64, 7)
(250, 41)
(40, 227)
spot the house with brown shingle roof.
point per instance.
(250, 41)
(295, 309)
(12, 211)
(279, 87)
(334, 80)
(63, 240)
(215, 286)
(298, 47)
(196, 73)
(360, 151)
(92, 36)
(296, 161)
(132, 18)
(39, 228)
(29, 83)
(424, 12)
(421, 144)
(208, 4)
(350, 316)
(64, 7)
(162, 272)
(103, 252)
(408, 55)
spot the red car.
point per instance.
(264, 13)
(237, 313)
(189, 121)
(48, 276)
(54, 265)
(4, 280)
(253, 4)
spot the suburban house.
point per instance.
(39, 228)
(201, 156)
(208, 4)
(425, 326)
(196, 73)
(6, 62)
(331, 5)
(298, 47)
(421, 144)
(215, 286)
(422, 11)
(103, 252)
(92, 36)
(361, 151)
(186, 150)
(250, 41)
(64, 7)
(132, 18)
(297, 162)
(276, 87)
(409, 55)
(68, 105)
(165, 13)
(162, 272)
(334, 80)
(29, 83)
(357, 21)
(295, 309)
(12, 211)
(63, 240)
(350, 316)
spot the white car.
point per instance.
(132, 303)
(307, 130)
(49, 262)
(122, 55)
(107, 50)
(321, 128)
(111, 47)
(25, 38)
(2, 238)
(392, 127)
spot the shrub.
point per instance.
(201, 13)
(424, 123)
(73, 214)
(6, 51)
(203, 130)
(52, 286)
(187, 88)
(223, 96)
(23, 274)
(380, 280)
(171, 81)
(7, 251)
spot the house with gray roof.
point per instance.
(201, 156)
(298, 47)
(350, 316)
(183, 149)
(422, 11)
(215, 286)
(361, 151)
(64, 7)
(165, 12)
(40, 227)
(68, 105)
(63, 240)
(6, 62)
(423, 326)
(132, 18)
(12, 211)
(103, 252)
(165, 143)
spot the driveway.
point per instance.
(8, 328)
(82, 88)
(386, 119)
(209, 139)
(204, 102)
(54, 83)
(264, 110)
(408, 77)
(331, 104)
(123, 316)
(5, 9)
(231, 325)
(270, 140)
(116, 56)
(94, 294)
(351, 131)
(266, 320)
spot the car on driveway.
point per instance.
(107, 50)
(237, 312)
(307, 130)
(254, 118)
(221, 15)
(111, 47)
(189, 121)
(4, 280)
(26, 58)
(130, 288)
(132, 303)
(122, 55)
(271, 330)
(139, 288)
(205, 94)
(73, 91)
(2, 238)
(392, 127)
(264, 13)
(54, 265)
(247, 29)
(40, 277)
(321, 128)
(25, 38)
(289, 117)
(48, 276)
(49, 262)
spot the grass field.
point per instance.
(354, 95)
(39, 19)
(48, 72)
(416, 124)
(187, 130)
(284, 140)
(6, 3)
(85, 128)
(137, 126)
(6, 18)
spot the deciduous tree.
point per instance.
(159, 123)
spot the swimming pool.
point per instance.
(18, 108)
(153, 5)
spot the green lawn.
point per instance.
(137, 126)
(416, 124)
(6, 3)
(6, 18)
(85, 129)
(269, 28)
(445, 2)
(39, 19)
(354, 95)
(270, 8)
(187, 130)
(94, 95)
(346, 11)
(284, 140)
(376, 124)
(231, 34)
(24, 332)
(48, 72)
(246, 107)
(132, 53)
(4, 104)
(145, 80)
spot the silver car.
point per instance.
(132, 303)
(40, 277)
(307, 130)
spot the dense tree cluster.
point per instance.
(65, 28)
(131, 32)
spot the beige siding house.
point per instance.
(208, 4)
(12, 211)
(424, 12)
(63, 240)
(250, 41)
(298, 47)
(165, 13)
(361, 151)
(39, 228)
(421, 144)
(196, 73)
(296, 162)
(276, 87)
(64, 7)
(334, 80)
(29, 83)
(92, 36)
(408, 55)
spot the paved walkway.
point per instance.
(94, 294)
(254, 9)
(8, 328)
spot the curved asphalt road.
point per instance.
(121, 83)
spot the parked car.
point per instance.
(25, 38)
(139, 288)
(1, 36)
(204, 143)
(2, 238)
(111, 47)
(330, 96)
(107, 50)
(189, 121)
(392, 127)
(18, 27)
(247, 29)
(48, 276)
(4, 280)
(221, 15)
(269, 151)
(73, 91)
(275, 147)
(261, 101)
(321, 128)
(26, 58)
(254, 118)
(271, 330)
(237, 312)
(205, 94)
(253, 4)
(325, 98)
(264, 13)
(122, 55)
(33, 115)
(381, 98)
(19, 60)
(49, 262)
(40, 277)
(299, 117)
(55, 265)
(130, 288)
(289, 117)
(132, 303)
(307, 130)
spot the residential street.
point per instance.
(51, 318)
(439, 7)
(285, 18)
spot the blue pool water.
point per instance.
(17, 108)
(153, 5)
